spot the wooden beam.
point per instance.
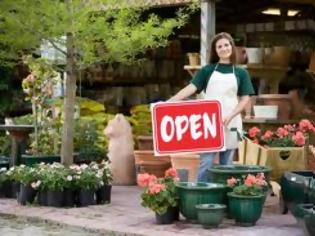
(311, 2)
(207, 29)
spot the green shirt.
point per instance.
(244, 83)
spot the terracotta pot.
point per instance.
(145, 142)
(283, 101)
(189, 162)
(155, 167)
(241, 56)
(280, 56)
(311, 158)
(312, 62)
(148, 155)
(194, 59)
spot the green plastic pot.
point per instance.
(36, 159)
(246, 210)
(192, 194)
(221, 173)
(296, 188)
(307, 220)
(210, 215)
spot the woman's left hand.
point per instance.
(227, 120)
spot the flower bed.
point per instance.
(58, 185)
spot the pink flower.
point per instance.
(253, 132)
(282, 132)
(267, 134)
(171, 172)
(299, 138)
(305, 125)
(156, 188)
(289, 128)
(250, 180)
(231, 182)
(144, 180)
(260, 176)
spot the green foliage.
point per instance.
(5, 144)
(103, 30)
(88, 141)
(248, 186)
(27, 175)
(160, 194)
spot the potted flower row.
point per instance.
(57, 185)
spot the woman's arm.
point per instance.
(238, 109)
(187, 91)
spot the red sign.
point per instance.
(190, 126)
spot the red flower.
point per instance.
(267, 134)
(299, 138)
(250, 180)
(156, 188)
(253, 132)
(305, 125)
(282, 132)
(171, 172)
(231, 182)
(145, 180)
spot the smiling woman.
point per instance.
(221, 80)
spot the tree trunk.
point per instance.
(69, 104)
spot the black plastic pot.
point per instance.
(42, 198)
(86, 198)
(103, 194)
(10, 189)
(26, 195)
(55, 198)
(68, 198)
(171, 215)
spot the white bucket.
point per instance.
(254, 55)
(266, 111)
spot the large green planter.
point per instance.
(296, 188)
(36, 159)
(192, 194)
(210, 215)
(246, 210)
(306, 219)
(221, 173)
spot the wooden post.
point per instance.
(207, 29)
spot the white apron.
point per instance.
(223, 87)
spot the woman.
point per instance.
(223, 81)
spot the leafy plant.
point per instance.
(87, 178)
(286, 136)
(249, 186)
(159, 193)
(84, 32)
(88, 141)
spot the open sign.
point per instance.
(190, 126)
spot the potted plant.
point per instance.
(53, 181)
(29, 183)
(282, 150)
(2, 181)
(11, 185)
(103, 193)
(39, 89)
(87, 182)
(160, 195)
(247, 198)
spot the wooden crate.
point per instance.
(278, 158)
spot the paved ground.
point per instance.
(125, 216)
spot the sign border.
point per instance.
(157, 152)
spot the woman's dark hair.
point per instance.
(214, 58)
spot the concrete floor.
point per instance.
(125, 216)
